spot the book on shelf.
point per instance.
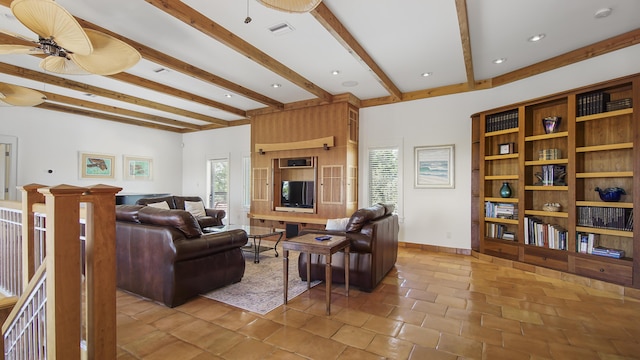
(500, 210)
(501, 121)
(586, 242)
(539, 233)
(608, 252)
(612, 218)
(592, 103)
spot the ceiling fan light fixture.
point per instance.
(536, 38)
(602, 13)
(499, 60)
(292, 6)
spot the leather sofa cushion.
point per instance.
(364, 215)
(179, 219)
(388, 208)
(128, 213)
(209, 244)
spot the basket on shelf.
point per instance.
(551, 207)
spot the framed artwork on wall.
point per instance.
(96, 166)
(138, 168)
(434, 166)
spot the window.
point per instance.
(384, 179)
(219, 184)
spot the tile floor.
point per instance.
(431, 306)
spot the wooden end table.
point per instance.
(308, 244)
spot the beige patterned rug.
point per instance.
(260, 289)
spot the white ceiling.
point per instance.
(405, 38)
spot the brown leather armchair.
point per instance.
(373, 233)
(210, 217)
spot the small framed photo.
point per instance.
(506, 148)
(96, 166)
(434, 166)
(138, 168)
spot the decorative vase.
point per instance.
(505, 190)
(611, 194)
(551, 124)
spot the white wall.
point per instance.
(232, 143)
(442, 217)
(49, 140)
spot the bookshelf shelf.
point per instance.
(593, 146)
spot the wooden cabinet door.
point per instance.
(260, 184)
(332, 184)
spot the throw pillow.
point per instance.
(337, 224)
(160, 205)
(196, 208)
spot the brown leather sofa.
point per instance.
(373, 233)
(164, 256)
(211, 217)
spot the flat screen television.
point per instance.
(298, 194)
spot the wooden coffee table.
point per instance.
(307, 243)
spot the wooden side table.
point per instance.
(307, 243)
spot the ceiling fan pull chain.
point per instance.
(248, 18)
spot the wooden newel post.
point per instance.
(30, 196)
(100, 257)
(63, 271)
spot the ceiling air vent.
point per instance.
(280, 29)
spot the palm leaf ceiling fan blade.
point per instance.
(109, 56)
(20, 96)
(293, 6)
(51, 21)
(60, 65)
(19, 49)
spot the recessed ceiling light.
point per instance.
(161, 71)
(9, 16)
(90, 95)
(538, 37)
(228, 95)
(335, 72)
(602, 13)
(426, 74)
(350, 83)
(499, 61)
(275, 86)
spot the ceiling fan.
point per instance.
(293, 6)
(70, 48)
(19, 96)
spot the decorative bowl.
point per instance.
(611, 194)
(551, 207)
(551, 124)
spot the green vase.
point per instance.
(505, 190)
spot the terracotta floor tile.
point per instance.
(480, 333)
(562, 351)
(451, 326)
(352, 317)
(451, 301)
(383, 326)
(172, 321)
(175, 350)
(219, 341)
(422, 353)
(494, 352)
(321, 348)
(390, 347)
(149, 343)
(407, 316)
(260, 328)
(291, 318)
(322, 326)
(357, 354)
(290, 339)
(430, 308)
(530, 317)
(526, 343)
(499, 323)
(280, 354)
(461, 346)
(422, 295)
(235, 319)
(191, 331)
(419, 335)
(354, 336)
(249, 349)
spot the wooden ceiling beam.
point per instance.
(103, 116)
(198, 21)
(465, 38)
(116, 110)
(85, 88)
(330, 22)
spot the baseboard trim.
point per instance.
(434, 248)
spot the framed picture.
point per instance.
(506, 148)
(96, 166)
(137, 168)
(434, 166)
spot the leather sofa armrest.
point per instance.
(322, 231)
(216, 214)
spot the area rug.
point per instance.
(260, 289)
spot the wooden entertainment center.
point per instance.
(316, 147)
(553, 215)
